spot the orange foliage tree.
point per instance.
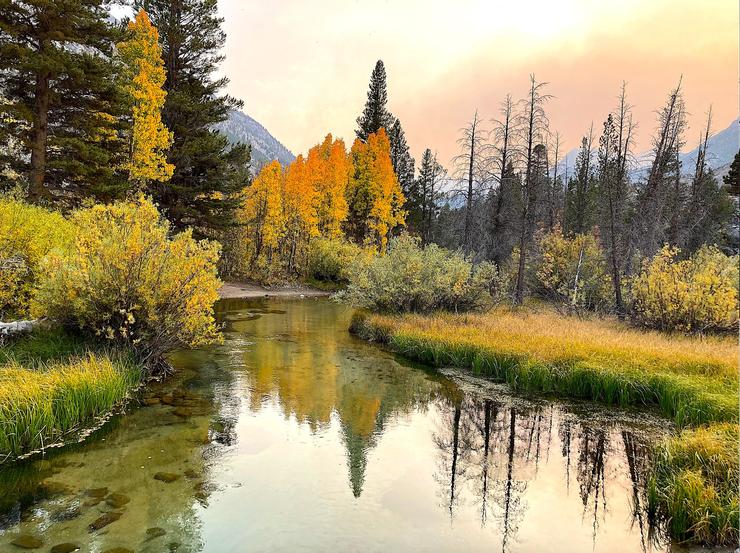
(325, 194)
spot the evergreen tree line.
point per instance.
(97, 109)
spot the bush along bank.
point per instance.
(118, 293)
(692, 381)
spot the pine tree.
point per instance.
(403, 166)
(422, 208)
(62, 98)
(202, 192)
(144, 74)
(732, 178)
(375, 116)
(580, 194)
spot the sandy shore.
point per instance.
(251, 290)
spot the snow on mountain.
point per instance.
(241, 128)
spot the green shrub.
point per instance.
(409, 278)
(128, 282)
(27, 234)
(330, 259)
(695, 294)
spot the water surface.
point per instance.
(295, 436)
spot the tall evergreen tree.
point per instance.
(61, 96)
(208, 172)
(403, 166)
(580, 194)
(423, 209)
(375, 115)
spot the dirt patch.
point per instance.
(252, 290)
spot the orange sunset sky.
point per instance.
(302, 67)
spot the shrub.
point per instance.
(27, 234)
(694, 485)
(409, 278)
(330, 259)
(695, 294)
(572, 271)
(127, 281)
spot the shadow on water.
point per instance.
(293, 435)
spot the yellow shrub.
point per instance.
(696, 294)
(126, 280)
(572, 270)
(27, 234)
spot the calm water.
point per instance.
(295, 436)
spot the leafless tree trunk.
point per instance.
(536, 123)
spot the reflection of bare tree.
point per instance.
(590, 473)
(513, 493)
(565, 433)
(637, 456)
(454, 441)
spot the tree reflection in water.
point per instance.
(491, 449)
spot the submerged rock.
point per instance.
(97, 492)
(119, 550)
(65, 548)
(67, 514)
(155, 532)
(117, 500)
(183, 412)
(166, 477)
(191, 474)
(151, 401)
(50, 488)
(27, 541)
(104, 520)
(174, 545)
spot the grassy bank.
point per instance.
(691, 380)
(51, 386)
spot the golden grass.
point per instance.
(691, 379)
(39, 405)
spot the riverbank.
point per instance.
(53, 385)
(246, 290)
(691, 380)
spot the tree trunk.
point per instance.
(39, 133)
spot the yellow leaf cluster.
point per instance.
(145, 78)
(128, 281)
(374, 194)
(27, 234)
(695, 294)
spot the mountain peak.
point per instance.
(241, 128)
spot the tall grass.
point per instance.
(694, 485)
(691, 380)
(39, 405)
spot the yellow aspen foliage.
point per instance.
(374, 194)
(329, 169)
(695, 294)
(145, 77)
(263, 215)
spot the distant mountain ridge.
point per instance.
(241, 128)
(721, 150)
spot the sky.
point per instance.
(302, 67)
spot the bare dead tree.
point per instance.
(657, 198)
(470, 167)
(535, 123)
